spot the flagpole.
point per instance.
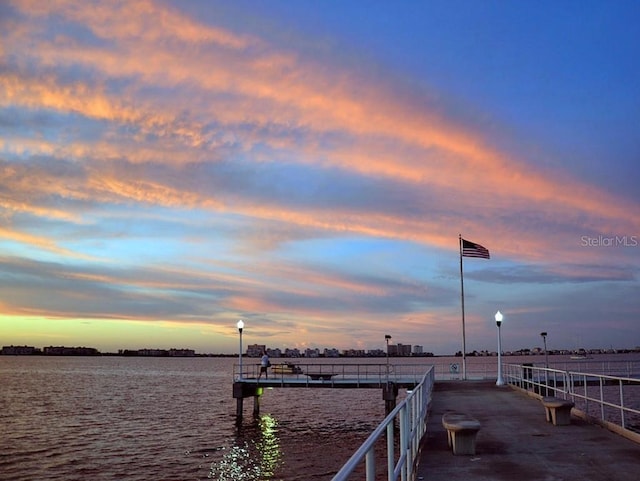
(464, 340)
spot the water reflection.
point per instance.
(269, 445)
(256, 455)
(237, 464)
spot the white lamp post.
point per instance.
(240, 326)
(499, 381)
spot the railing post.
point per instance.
(370, 461)
(390, 451)
(601, 397)
(622, 405)
(403, 441)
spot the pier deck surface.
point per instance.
(516, 443)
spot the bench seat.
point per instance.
(461, 432)
(557, 410)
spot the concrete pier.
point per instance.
(516, 442)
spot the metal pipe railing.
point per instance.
(410, 415)
(607, 392)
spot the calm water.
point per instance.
(78, 418)
(106, 418)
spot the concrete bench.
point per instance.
(461, 432)
(557, 410)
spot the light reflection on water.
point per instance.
(269, 445)
(237, 464)
(253, 460)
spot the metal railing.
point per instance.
(619, 368)
(540, 380)
(607, 398)
(445, 370)
(611, 401)
(410, 417)
(366, 372)
(485, 368)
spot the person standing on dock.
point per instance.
(264, 365)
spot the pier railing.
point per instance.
(486, 367)
(611, 401)
(409, 417)
(445, 370)
(337, 373)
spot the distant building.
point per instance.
(331, 353)
(399, 350)
(70, 351)
(157, 352)
(274, 352)
(182, 353)
(152, 352)
(291, 352)
(256, 350)
(312, 353)
(19, 351)
(353, 353)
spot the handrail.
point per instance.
(410, 415)
(605, 397)
(445, 369)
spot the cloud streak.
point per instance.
(143, 108)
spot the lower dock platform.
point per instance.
(516, 442)
(252, 387)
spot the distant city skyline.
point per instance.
(285, 352)
(168, 168)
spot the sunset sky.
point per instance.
(167, 168)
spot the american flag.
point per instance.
(471, 249)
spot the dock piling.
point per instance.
(242, 390)
(389, 394)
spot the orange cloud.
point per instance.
(233, 80)
(40, 242)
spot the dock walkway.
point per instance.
(516, 443)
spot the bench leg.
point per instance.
(562, 416)
(464, 442)
(548, 414)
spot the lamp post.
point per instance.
(546, 361)
(499, 381)
(240, 326)
(386, 338)
(546, 354)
